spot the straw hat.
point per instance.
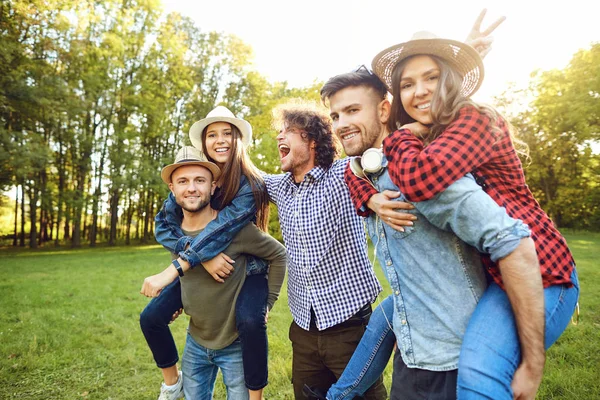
(461, 56)
(220, 114)
(189, 155)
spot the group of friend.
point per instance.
(482, 282)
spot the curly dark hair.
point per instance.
(314, 124)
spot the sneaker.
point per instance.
(174, 392)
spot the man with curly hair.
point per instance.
(331, 283)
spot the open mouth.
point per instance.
(424, 106)
(222, 150)
(349, 135)
(283, 151)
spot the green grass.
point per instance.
(69, 327)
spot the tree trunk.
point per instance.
(42, 189)
(129, 218)
(16, 216)
(61, 191)
(78, 208)
(33, 199)
(114, 209)
(22, 236)
(97, 194)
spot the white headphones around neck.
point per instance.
(370, 162)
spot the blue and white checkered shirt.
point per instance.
(328, 265)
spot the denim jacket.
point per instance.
(435, 269)
(217, 235)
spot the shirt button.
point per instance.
(388, 263)
(382, 235)
(397, 292)
(308, 288)
(296, 213)
(403, 322)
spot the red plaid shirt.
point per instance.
(469, 145)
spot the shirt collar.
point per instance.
(314, 174)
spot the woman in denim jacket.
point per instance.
(241, 198)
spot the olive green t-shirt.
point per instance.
(211, 305)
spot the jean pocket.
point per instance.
(407, 231)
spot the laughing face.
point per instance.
(418, 82)
(296, 153)
(359, 118)
(218, 141)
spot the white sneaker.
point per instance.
(174, 392)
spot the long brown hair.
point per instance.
(237, 165)
(446, 103)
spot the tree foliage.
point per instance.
(96, 96)
(561, 126)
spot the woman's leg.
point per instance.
(370, 357)
(491, 351)
(251, 311)
(154, 321)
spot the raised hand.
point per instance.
(482, 41)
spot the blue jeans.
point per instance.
(491, 353)
(200, 366)
(492, 323)
(370, 357)
(250, 313)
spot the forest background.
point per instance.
(95, 98)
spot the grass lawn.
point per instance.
(69, 327)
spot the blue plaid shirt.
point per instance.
(328, 265)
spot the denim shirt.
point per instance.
(217, 235)
(435, 269)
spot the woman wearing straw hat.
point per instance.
(441, 135)
(241, 198)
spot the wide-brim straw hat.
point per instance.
(464, 58)
(189, 155)
(220, 114)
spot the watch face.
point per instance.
(371, 160)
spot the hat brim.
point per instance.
(167, 171)
(459, 55)
(243, 125)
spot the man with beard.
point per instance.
(434, 268)
(212, 340)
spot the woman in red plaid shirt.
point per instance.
(441, 135)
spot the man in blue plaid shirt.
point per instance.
(331, 283)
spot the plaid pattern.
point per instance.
(328, 266)
(469, 145)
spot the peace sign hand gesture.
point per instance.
(482, 41)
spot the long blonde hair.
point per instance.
(446, 103)
(237, 165)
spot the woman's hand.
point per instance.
(219, 267)
(482, 41)
(416, 128)
(390, 211)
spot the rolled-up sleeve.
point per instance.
(465, 209)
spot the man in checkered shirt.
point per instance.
(331, 283)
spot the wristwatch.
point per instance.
(177, 267)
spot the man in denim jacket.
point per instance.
(434, 268)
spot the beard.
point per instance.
(202, 202)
